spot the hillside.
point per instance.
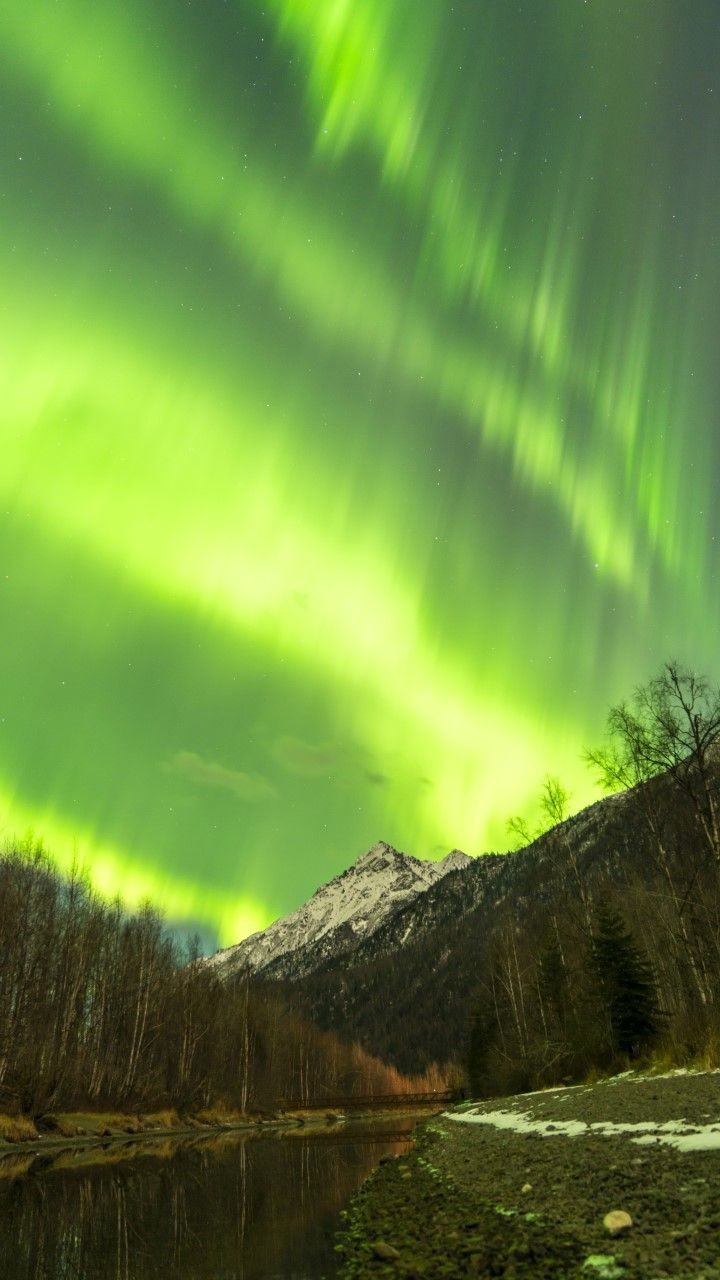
(409, 990)
(340, 916)
(406, 990)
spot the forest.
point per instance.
(594, 945)
(100, 1008)
(629, 968)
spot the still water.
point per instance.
(229, 1207)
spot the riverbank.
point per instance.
(21, 1132)
(519, 1187)
(23, 1135)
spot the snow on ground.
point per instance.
(674, 1133)
(623, 1077)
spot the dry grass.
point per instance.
(708, 1059)
(220, 1115)
(166, 1119)
(17, 1129)
(104, 1124)
(16, 1166)
(680, 1052)
(92, 1124)
(674, 1053)
(594, 1075)
(314, 1116)
(93, 1157)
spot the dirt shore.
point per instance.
(85, 1129)
(519, 1187)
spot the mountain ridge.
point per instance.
(405, 988)
(341, 913)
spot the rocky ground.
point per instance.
(521, 1186)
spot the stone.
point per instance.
(617, 1221)
(386, 1252)
(602, 1266)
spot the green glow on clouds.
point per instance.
(358, 394)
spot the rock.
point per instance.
(386, 1252)
(617, 1221)
(527, 1187)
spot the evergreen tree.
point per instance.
(479, 1043)
(626, 984)
(553, 985)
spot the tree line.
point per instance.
(603, 971)
(597, 943)
(101, 1008)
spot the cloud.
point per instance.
(252, 787)
(305, 758)
(345, 764)
(377, 779)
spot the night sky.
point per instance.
(359, 385)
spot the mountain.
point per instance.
(409, 993)
(339, 916)
(395, 953)
(406, 994)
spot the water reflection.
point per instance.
(234, 1207)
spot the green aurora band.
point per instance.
(359, 421)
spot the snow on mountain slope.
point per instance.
(339, 915)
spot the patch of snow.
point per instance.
(554, 1088)
(673, 1133)
(644, 1078)
(520, 1122)
(634, 1077)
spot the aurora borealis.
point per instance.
(360, 438)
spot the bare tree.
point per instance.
(102, 1008)
(670, 727)
(554, 806)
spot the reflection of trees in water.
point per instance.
(234, 1207)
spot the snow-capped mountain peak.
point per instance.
(380, 855)
(456, 860)
(339, 915)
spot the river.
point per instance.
(231, 1206)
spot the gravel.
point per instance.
(474, 1199)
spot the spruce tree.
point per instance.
(626, 984)
(553, 985)
(479, 1043)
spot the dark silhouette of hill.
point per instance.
(406, 994)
